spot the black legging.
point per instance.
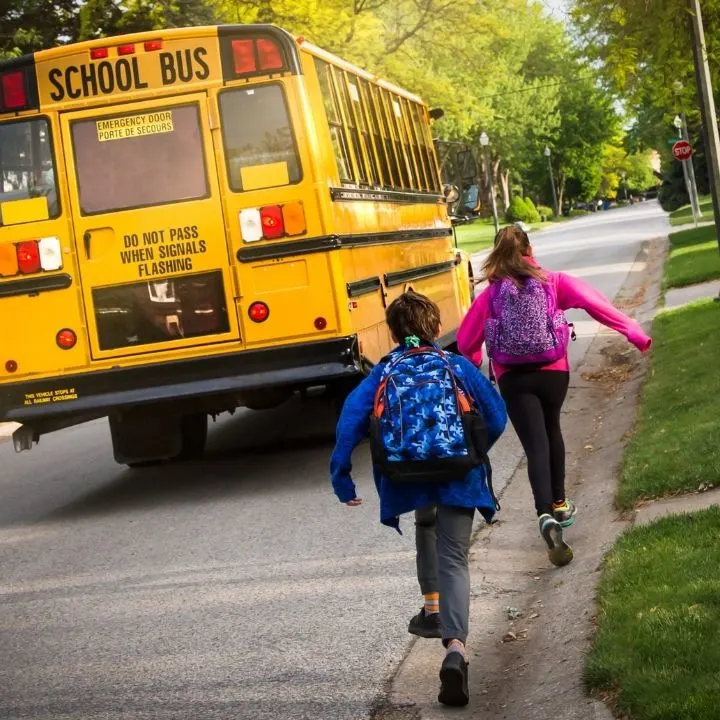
(534, 399)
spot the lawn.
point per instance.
(683, 215)
(657, 652)
(476, 236)
(675, 446)
(479, 234)
(694, 257)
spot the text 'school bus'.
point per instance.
(198, 219)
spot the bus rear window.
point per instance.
(138, 160)
(259, 141)
(26, 164)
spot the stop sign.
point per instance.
(682, 150)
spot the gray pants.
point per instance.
(442, 539)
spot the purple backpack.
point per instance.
(525, 326)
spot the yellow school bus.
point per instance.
(193, 220)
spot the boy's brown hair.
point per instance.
(413, 314)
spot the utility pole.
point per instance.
(485, 142)
(707, 103)
(548, 155)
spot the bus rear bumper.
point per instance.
(95, 394)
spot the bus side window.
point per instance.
(377, 139)
(356, 104)
(350, 126)
(337, 136)
(398, 115)
(394, 174)
(389, 114)
(411, 123)
(423, 128)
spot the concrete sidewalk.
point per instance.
(692, 293)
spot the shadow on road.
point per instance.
(253, 453)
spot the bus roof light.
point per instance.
(99, 53)
(152, 45)
(269, 55)
(244, 57)
(14, 96)
(273, 226)
(50, 254)
(28, 257)
(128, 49)
(8, 260)
(251, 225)
(294, 218)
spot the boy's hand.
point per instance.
(354, 503)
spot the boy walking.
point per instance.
(431, 417)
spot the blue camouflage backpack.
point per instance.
(425, 427)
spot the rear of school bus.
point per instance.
(136, 170)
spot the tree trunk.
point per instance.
(505, 186)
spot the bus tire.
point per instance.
(194, 430)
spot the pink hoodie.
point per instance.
(571, 293)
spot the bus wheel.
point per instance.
(194, 429)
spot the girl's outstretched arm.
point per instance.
(575, 293)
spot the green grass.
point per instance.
(683, 215)
(675, 447)
(657, 651)
(479, 234)
(694, 257)
(476, 236)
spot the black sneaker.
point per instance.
(425, 626)
(559, 552)
(454, 681)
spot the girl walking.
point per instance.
(520, 318)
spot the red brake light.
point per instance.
(126, 49)
(99, 53)
(244, 57)
(151, 45)
(272, 222)
(13, 90)
(259, 312)
(28, 256)
(66, 339)
(269, 54)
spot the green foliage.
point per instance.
(545, 212)
(533, 214)
(502, 66)
(520, 212)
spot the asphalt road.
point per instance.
(236, 587)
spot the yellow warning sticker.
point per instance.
(131, 126)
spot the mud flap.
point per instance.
(145, 434)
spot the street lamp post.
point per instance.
(548, 155)
(485, 142)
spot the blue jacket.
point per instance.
(398, 498)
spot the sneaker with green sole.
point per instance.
(559, 552)
(565, 513)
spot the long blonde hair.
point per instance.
(508, 258)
